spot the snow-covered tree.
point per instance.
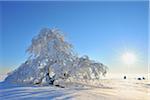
(51, 58)
(89, 69)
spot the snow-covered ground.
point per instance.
(112, 89)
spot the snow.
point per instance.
(2, 77)
(112, 89)
(54, 72)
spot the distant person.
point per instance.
(139, 78)
(124, 77)
(143, 78)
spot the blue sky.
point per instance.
(101, 30)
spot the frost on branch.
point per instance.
(52, 59)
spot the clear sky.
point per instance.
(102, 30)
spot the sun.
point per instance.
(128, 58)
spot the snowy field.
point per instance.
(112, 89)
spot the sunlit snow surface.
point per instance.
(112, 89)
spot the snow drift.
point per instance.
(52, 59)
